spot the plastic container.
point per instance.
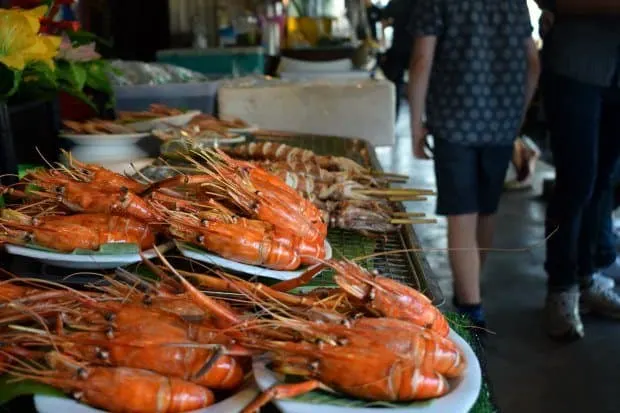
(198, 96)
(217, 61)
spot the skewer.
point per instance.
(393, 175)
(395, 191)
(407, 198)
(413, 221)
(393, 179)
(409, 214)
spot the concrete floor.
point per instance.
(529, 372)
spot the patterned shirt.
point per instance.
(477, 89)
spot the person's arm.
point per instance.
(533, 73)
(426, 26)
(419, 77)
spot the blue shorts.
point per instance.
(470, 179)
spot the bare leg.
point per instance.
(464, 257)
(485, 231)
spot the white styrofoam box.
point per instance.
(350, 75)
(338, 107)
(294, 65)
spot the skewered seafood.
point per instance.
(282, 152)
(155, 111)
(97, 127)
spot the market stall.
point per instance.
(385, 253)
(237, 269)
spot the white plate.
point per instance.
(234, 404)
(199, 255)
(104, 139)
(249, 129)
(179, 120)
(461, 399)
(84, 261)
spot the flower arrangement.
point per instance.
(46, 55)
(24, 52)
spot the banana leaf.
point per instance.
(11, 390)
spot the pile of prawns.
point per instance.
(139, 346)
(233, 209)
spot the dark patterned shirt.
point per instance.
(478, 82)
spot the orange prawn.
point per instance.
(120, 389)
(365, 373)
(88, 232)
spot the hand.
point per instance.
(547, 19)
(419, 142)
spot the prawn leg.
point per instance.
(281, 391)
(303, 279)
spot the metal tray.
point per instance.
(409, 267)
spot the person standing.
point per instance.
(373, 14)
(473, 74)
(581, 96)
(396, 61)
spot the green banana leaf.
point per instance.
(11, 390)
(106, 249)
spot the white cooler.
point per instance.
(355, 108)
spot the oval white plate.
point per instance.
(104, 139)
(461, 399)
(234, 404)
(197, 254)
(249, 129)
(84, 261)
(179, 120)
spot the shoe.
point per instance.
(562, 316)
(603, 280)
(613, 271)
(474, 313)
(599, 300)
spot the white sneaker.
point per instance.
(604, 281)
(562, 316)
(613, 271)
(600, 300)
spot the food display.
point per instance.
(201, 128)
(180, 336)
(181, 347)
(155, 111)
(96, 127)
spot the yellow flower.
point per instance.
(20, 42)
(34, 17)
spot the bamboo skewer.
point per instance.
(391, 174)
(407, 198)
(409, 214)
(413, 221)
(395, 191)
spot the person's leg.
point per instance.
(573, 114)
(596, 297)
(486, 230)
(457, 175)
(394, 68)
(464, 258)
(493, 163)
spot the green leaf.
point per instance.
(97, 77)
(81, 37)
(72, 74)
(11, 390)
(106, 249)
(10, 81)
